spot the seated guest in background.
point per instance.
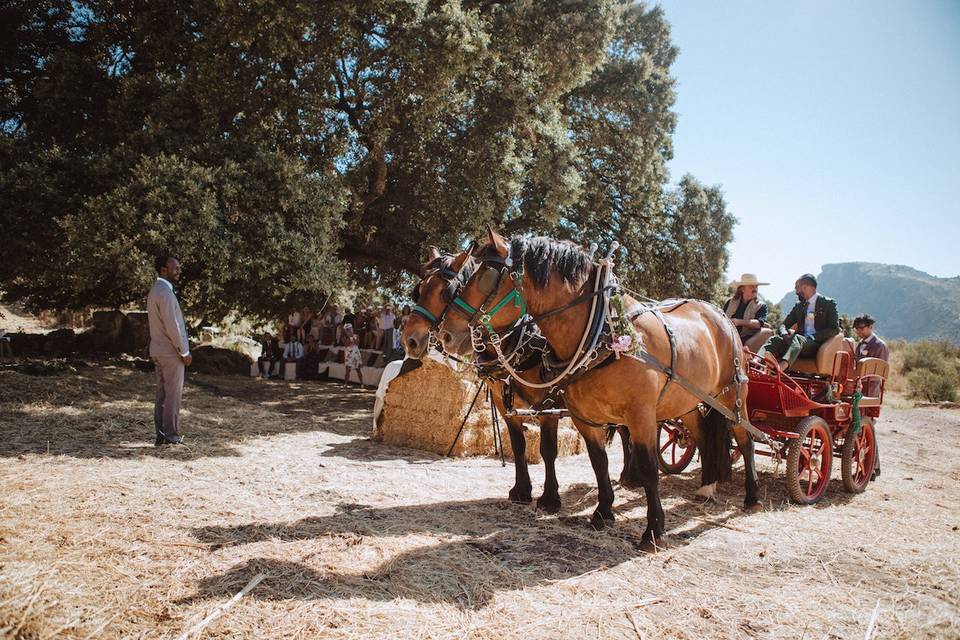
(336, 319)
(306, 319)
(360, 326)
(870, 345)
(347, 333)
(311, 359)
(387, 320)
(269, 354)
(293, 320)
(316, 326)
(745, 310)
(349, 316)
(373, 328)
(811, 322)
(293, 352)
(327, 333)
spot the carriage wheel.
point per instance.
(809, 461)
(676, 448)
(858, 457)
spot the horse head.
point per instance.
(486, 296)
(442, 277)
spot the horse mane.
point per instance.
(541, 255)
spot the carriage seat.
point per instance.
(823, 363)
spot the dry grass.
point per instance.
(102, 535)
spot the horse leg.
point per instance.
(596, 441)
(751, 501)
(714, 443)
(643, 433)
(522, 491)
(627, 476)
(550, 500)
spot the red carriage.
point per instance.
(808, 416)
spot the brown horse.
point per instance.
(443, 276)
(442, 279)
(554, 281)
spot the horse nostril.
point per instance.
(445, 337)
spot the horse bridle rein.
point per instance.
(449, 295)
(489, 283)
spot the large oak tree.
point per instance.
(284, 148)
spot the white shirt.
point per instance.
(293, 351)
(865, 343)
(166, 282)
(809, 326)
(386, 320)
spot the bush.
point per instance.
(938, 356)
(933, 386)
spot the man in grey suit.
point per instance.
(169, 349)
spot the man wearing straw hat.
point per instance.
(745, 310)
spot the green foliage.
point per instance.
(939, 356)
(279, 149)
(932, 369)
(932, 386)
(846, 325)
(774, 313)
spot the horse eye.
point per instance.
(447, 295)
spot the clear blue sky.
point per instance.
(833, 127)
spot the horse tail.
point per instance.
(610, 435)
(715, 453)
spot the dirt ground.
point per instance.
(103, 535)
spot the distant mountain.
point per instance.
(906, 303)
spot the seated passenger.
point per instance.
(811, 322)
(745, 310)
(870, 345)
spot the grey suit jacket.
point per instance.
(168, 332)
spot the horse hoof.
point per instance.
(651, 544)
(518, 496)
(599, 520)
(756, 507)
(707, 491)
(548, 504)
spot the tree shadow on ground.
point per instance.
(497, 547)
(106, 411)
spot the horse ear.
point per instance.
(497, 242)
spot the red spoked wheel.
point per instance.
(858, 458)
(809, 461)
(676, 447)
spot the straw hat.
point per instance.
(747, 279)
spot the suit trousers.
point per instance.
(166, 411)
(790, 348)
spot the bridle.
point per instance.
(495, 269)
(455, 282)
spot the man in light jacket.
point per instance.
(169, 349)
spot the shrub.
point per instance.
(933, 386)
(926, 354)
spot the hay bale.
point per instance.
(137, 336)
(60, 343)
(423, 409)
(27, 344)
(217, 361)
